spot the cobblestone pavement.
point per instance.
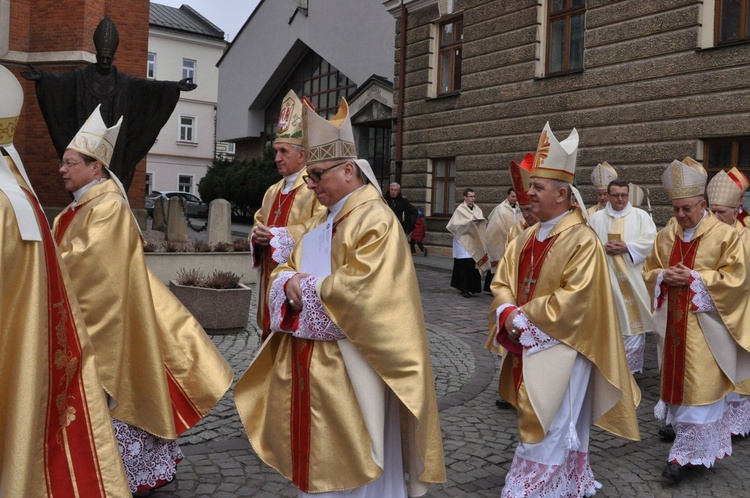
(478, 438)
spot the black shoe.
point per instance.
(667, 433)
(674, 472)
(502, 404)
(425, 252)
(465, 294)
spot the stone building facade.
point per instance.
(643, 81)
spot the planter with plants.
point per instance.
(218, 301)
(167, 258)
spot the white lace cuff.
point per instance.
(277, 300)
(657, 291)
(700, 298)
(314, 322)
(281, 244)
(532, 338)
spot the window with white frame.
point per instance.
(732, 23)
(149, 182)
(151, 66)
(187, 129)
(185, 183)
(188, 69)
(449, 55)
(566, 22)
(443, 186)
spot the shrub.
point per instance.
(222, 280)
(193, 277)
(150, 247)
(201, 246)
(174, 247)
(241, 245)
(223, 247)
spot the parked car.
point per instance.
(194, 206)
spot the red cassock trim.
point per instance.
(69, 442)
(64, 223)
(184, 411)
(679, 305)
(300, 417)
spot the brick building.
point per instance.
(57, 36)
(643, 81)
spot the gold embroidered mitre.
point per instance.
(291, 130)
(726, 189)
(602, 174)
(556, 160)
(520, 174)
(10, 105)
(685, 178)
(329, 140)
(94, 139)
(636, 194)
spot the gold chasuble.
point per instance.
(153, 357)
(296, 400)
(291, 211)
(499, 223)
(468, 226)
(57, 438)
(564, 290)
(702, 355)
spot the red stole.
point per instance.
(64, 223)
(71, 465)
(528, 275)
(278, 216)
(679, 305)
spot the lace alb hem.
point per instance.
(314, 322)
(532, 338)
(658, 298)
(148, 459)
(277, 299)
(500, 326)
(574, 478)
(281, 244)
(701, 444)
(700, 298)
(737, 415)
(635, 357)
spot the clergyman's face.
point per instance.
(74, 171)
(602, 197)
(512, 197)
(528, 215)
(288, 158)
(545, 198)
(470, 198)
(688, 211)
(725, 213)
(618, 197)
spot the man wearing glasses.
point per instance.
(287, 205)
(697, 277)
(628, 234)
(340, 400)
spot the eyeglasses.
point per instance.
(69, 164)
(685, 209)
(316, 175)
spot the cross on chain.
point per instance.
(529, 281)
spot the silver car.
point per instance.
(194, 206)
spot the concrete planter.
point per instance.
(166, 265)
(215, 308)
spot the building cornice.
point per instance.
(66, 58)
(184, 37)
(394, 6)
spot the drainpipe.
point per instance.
(401, 93)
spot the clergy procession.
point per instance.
(104, 368)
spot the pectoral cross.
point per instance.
(529, 281)
(277, 212)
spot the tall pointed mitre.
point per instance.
(723, 190)
(520, 174)
(602, 174)
(685, 178)
(636, 194)
(290, 129)
(94, 139)
(556, 160)
(333, 140)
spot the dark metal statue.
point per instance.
(67, 99)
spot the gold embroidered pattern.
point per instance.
(8, 129)
(64, 360)
(542, 150)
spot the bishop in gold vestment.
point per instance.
(154, 360)
(57, 438)
(341, 395)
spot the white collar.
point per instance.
(617, 214)
(333, 210)
(79, 193)
(289, 181)
(545, 227)
(688, 233)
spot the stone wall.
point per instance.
(647, 95)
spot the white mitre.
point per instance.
(556, 160)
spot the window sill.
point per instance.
(723, 45)
(182, 142)
(576, 72)
(444, 96)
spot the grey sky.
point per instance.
(228, 15)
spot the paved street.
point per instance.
(478, 437)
